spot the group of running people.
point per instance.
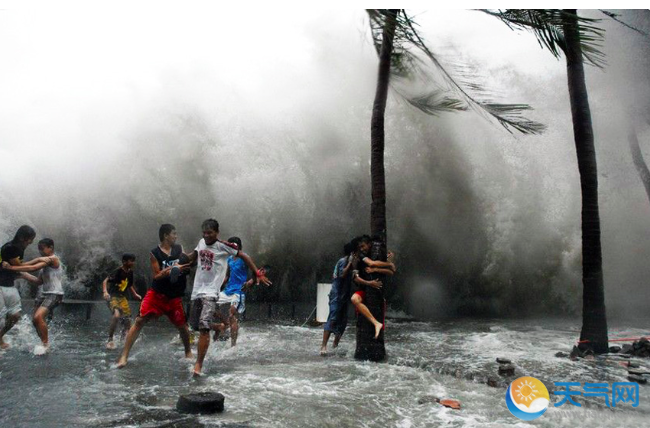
(218, 294)
(218, 264)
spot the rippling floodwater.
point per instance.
(275, 377)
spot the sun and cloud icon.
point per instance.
(527, 398)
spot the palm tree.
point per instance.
(563, 31)
(403, 55)
(397, 41)
(377, 174)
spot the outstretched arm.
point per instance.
(31, 278)
(192, 258)
(24, 267)
(251, 265)
(38, 260)
(380, 271)
(379, 264)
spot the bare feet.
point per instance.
(41, 349)
(323, 351)
(4, 345)
(197, 370)
(121, 363)
(110, 345)
(378, 328)
(189, 355)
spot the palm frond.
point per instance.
(436, 102)
(412, 59)
(547, 26)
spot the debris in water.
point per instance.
(447, 402)
(200, 402)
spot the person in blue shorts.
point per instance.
(339, 296)
(232, 296)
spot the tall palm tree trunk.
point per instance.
(639, 162)
(377, 175)
(594, 321)
(369, 348)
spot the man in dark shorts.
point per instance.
(12, 253)
(115, 288)
(212, 256)
(169, 267)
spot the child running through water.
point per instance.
(169, 268)
(212, 257)
(362, 278)
(233, 295)
(115, 290)
(50, 293)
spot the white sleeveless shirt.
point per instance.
(52, 279)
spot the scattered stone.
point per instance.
(506, 370)
(638, 379)
(200, 402)
(640, 348)
(562, 355)
(427, 399)
(575, 353)
(627, 349)
(493, 382)
(633, 365)
(614, 349)
(639, 372)
(503, 361)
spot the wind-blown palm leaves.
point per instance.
(412, 59)
(547, 26)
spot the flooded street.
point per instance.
(275, 377)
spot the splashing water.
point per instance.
(275, 377)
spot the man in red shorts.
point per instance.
(165, 297)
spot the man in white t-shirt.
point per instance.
(211, 256)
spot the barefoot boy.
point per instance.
(50, 293)
(362, 278)
(165, 297)
(212, 257)
(115, 289)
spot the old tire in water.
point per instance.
(200, 402)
